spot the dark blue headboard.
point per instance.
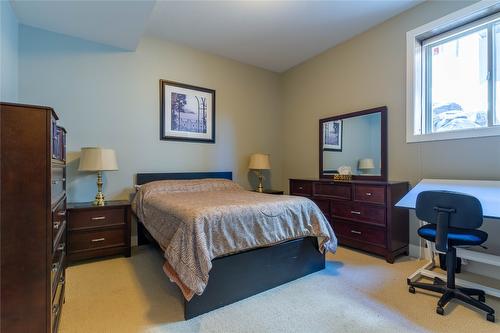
(143, 178)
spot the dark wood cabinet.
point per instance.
(361, 213)
(97, 231)
(33, 218)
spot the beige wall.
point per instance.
(369, 71)
(110, 98)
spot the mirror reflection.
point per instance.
(354, 143)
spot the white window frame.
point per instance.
(415, 65)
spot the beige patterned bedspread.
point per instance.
(196, 221)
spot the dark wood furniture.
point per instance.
(269, 191)
(244, 274)
(383, 143)
(32, 219)
(362, 213)
(98, 231)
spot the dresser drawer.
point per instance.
(360, 232)
(333, 190)
(300, 187)
(324, 205)
(358, 212)
(58, 265)
(89, 240)
(369, 193)
(58, 222)
(57, 182)
(92, 218)
(57, 304)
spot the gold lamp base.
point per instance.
(260, 188)
(99, 197)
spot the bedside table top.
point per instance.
(270, 191)
(90, 205)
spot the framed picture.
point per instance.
(187, 113)
(332, 130)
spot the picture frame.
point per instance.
(187, 112)
(332, 132)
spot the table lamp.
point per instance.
(366, 164)
(98, 159)
(259, 162)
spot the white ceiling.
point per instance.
(275, 35)
(116, 23)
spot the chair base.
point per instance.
(462, 294)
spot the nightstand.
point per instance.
(271, 192)
(98, 231)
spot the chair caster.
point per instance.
(411, 289)
(440, 311)
(490, 317)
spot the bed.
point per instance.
(223, 243)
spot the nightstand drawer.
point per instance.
(89, 240)
(84, 219)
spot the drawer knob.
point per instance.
(98, 240)
(61, 247)
(55, 267)
(356, 232)
(55, 309)
(63, 213)
(57, 225)
(355, 212)
(97, 218)
(301, 188)
(368, 194)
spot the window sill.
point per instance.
(454, 135)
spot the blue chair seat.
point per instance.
(456, 236)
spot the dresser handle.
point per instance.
(301, 188)
(98, 240)
(98, 218)
(61, 247)
(57, 225)
(63, 213)
(368, 194)
(355, 212)
(356, 232)
(55, 267)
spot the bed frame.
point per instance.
(244, 274)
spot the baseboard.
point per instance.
(415, 251)
(133, 241)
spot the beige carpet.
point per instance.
(356, 293)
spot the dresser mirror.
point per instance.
(355, 143)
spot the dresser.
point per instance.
(33, 218)
(98, 231)
(361, 213)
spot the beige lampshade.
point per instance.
(97, 159)
(259, 162)
(366, 164)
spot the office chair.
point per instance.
(453, 219)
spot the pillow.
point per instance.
(190, 185)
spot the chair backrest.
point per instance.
(448, 209)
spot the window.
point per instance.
(453, 87)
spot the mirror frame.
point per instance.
(383, 142)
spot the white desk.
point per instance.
(488, 193)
